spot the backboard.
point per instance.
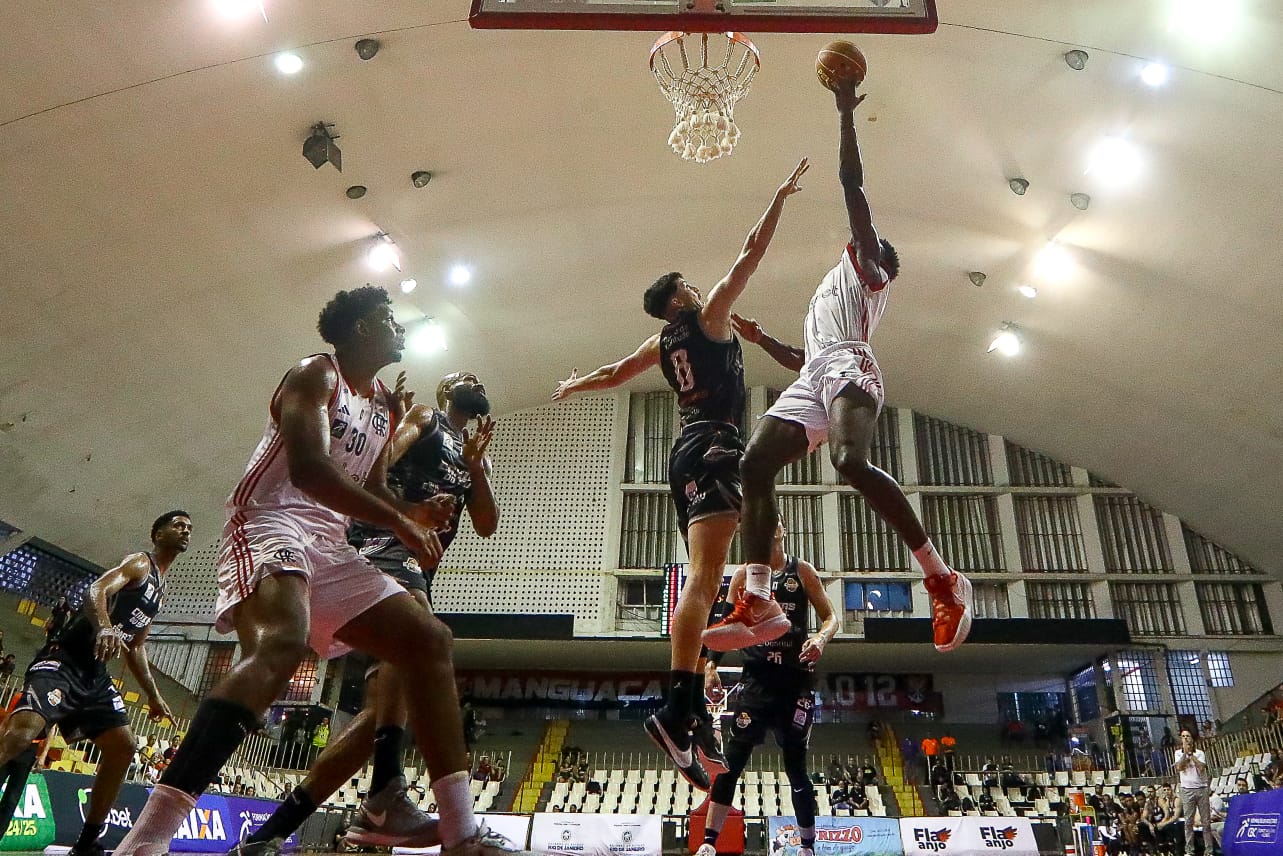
(709, 16)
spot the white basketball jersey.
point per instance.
(845, 308)
(359, 428)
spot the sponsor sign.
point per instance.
(838, 836)
(569, 689)
(208, 827)
(1254, 825)
(32, 826)
(575, 834)
(874, 691)
(514, 827)
(247, 815)
(70, 795)
(968, 836)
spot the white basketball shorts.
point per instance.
(809, 400)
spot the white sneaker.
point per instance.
(485, 842)
(805, 851)
(389, 819)
(706, 850)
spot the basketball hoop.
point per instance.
(704, 90)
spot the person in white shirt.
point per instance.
(1191, 765)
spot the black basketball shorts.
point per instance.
(80, 699)
(704, 472)
(759, 707)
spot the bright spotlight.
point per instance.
(1053, 263)
(1028, 291)
(288, 63)
(460, 275)
(1203, 20)
(1114, 160)
(1006, 342)
(408, 285)
(235, 9)
(428, 338)
(383, 254)
(1154, 74)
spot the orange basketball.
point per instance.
(839, 62)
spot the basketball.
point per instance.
(839, 62)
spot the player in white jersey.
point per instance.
(837, 398)
(288, 579)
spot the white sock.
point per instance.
(454, 803)
(159, 820)
(757, 580)
(930, 561)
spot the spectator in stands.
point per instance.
(320, 738)
(868, 772)
(852, 770)
(874, 731)
(1009, 777)
(912, 758)
(858, 799)
(930, 749)
(1097, 798)
(250, 792)
(1274, 766)
(837, 793)
(566, 771)
(482, 773)
(573, 808)
(57, 617)
(1035, 792)
(940, 777)
(556, 808)
(8, 665)
(948, 745)
(989, 774)
(593, 789)
(985, 801)
(1098, 758)
(1169, 827)
(949, 800)
(499, 771)
(834, 772)
(469, 725)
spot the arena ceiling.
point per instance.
(164, 248)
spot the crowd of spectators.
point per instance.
(573, 766)
(847, 782)
(487, 770)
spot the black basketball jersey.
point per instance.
(780, 659)
(433, 464)
(131, 611)
(708, 376)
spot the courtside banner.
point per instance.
(839, 836)
(514, 827)
(574, 834)
(32, 826)
(69, 795)
(247, 815)
(968, 836)
(1254, 825)
(208, 828)
(574, 689)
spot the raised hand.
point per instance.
(747, 328)
(789, 187)
(476, 443)
(847, 100)
(403, 395)
(566, 387)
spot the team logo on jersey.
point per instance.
(743, 720)
(343, 409)
(692, 490)
(790, 585)
(339, 428)
(380, 424)
(412, 565)
(54, 697)
(284, 555)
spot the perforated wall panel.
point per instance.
(191, 585)
(552, 479)
(524, 592)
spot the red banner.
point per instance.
(571, 689)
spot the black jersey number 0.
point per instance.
(682, 368)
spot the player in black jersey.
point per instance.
(68, 684)
(776, 693)
(702, 362)
(436, 459)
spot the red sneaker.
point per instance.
(950, 609)
(753, 621)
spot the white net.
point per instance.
(703, 82)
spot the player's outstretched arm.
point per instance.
(716, 315)
(751, 331)
(303, 408)
(851, 173)
(612, 375)
(483, 508)
(136, 660)
(819, 598)
(132, 569)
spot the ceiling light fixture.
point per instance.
(1080, 201)
(460, 275)
(1114, 160)
(367, 48)
(1028, 291)
(1076, 59)
(1018, 186)
(1208, 22)
(1053, 263)
(289, 63)
(1154, 74)
(977, 278)
(383, 254)
(1007, 342)
(420, 178)
(428, 337)
(319, 148)
(356, 191)
(408, 285)
(240, 8)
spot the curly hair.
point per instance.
(657, 295)
(890, 259)
(164, 519)
(339, 317)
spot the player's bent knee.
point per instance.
(280, 655)
(851, 463)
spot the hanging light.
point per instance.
(384, 254)
(1006, 342)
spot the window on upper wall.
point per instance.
(888, 598)
(1208, 557)
(949, 454)
(641, 599)
(1233, 609)
(1189, 687)
(1028, 468)
(965, 529)
(991, 600)
(218, 663)
(1150, 609)
(303, 681)
(868, 541)
(1082, 687)
(1218, 669)
(1132, 535)
(1139, 680)
(805, 470)
(651, 419)
(649, 535)
(1050, 533)
(1060, 600)
(40, 572)
(804, 527)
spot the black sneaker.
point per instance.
(708, 744)
(270, 847)
(670, 741)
